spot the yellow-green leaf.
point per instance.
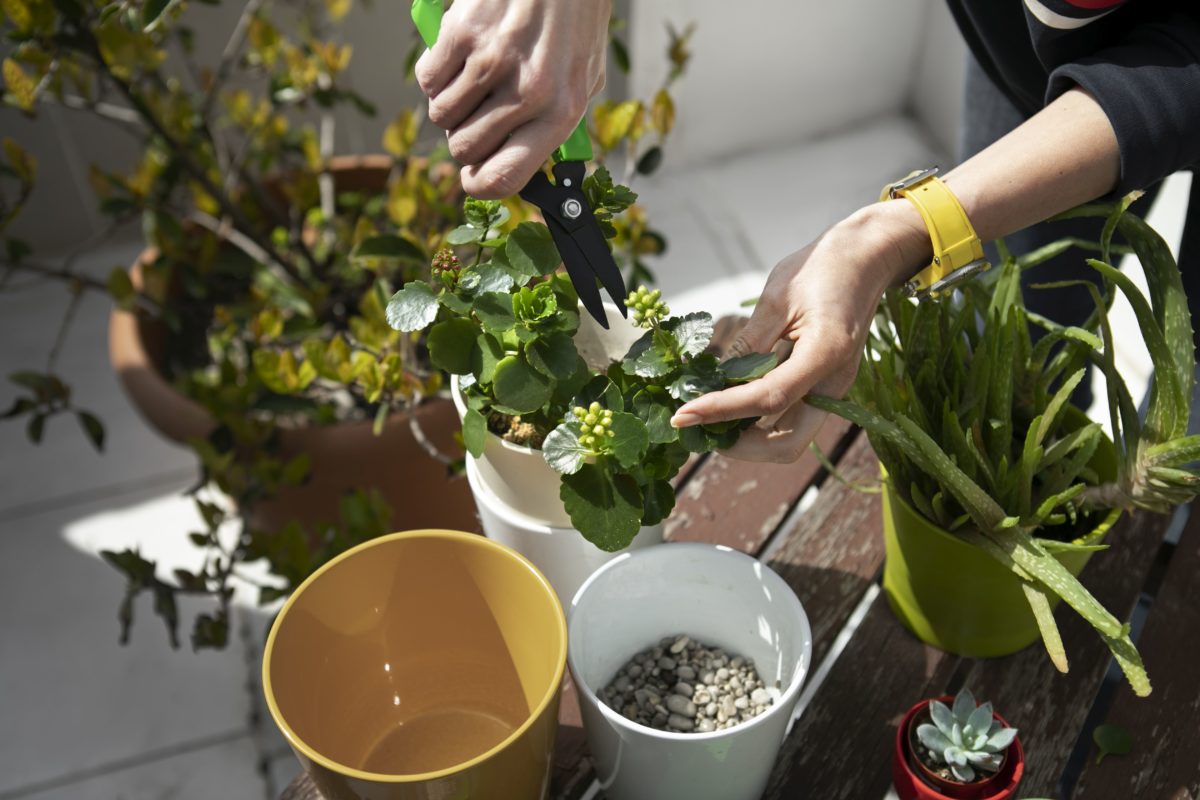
(614, 120)
(399, 136)
(19, 160)
(20, 86)
(662, 112)
(337, 8)
(18, 12)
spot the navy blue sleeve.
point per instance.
(1148, 84)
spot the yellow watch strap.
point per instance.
(957, 251)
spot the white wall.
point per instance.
(773, 72)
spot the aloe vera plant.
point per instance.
(967, 415)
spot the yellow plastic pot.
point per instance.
(420, 665)
(953, 595)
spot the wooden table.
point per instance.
(825, 539)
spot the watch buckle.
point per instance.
(911, 180)
(948, 281)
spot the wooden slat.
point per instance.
(1165, 761)
(1050, 708)
(840, 748)
(831, 553)
(739, 503)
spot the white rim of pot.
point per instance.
(777, 583)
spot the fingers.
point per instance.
(783, 442)
(760, 333)
(440, 64)
(487, 129)
(820, 352)
(460, 98)
(508, 169)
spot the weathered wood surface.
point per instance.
(1165, 727)
(739, 503)
(830, 554)
(1050, 708)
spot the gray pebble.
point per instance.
(666, 662)
(705, 726)
(684, 689)
(622, 683)
(760, 697)
(685, 673)
(741, 703)
(678, 645)
(633, 670)
(680, 723)
(679, 704)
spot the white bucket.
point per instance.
(561, 553)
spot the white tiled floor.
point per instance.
(82, 717)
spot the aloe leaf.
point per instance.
(1176, 452)
(1044, 614)
(1054, 501)
(1130, 662)
(1054, 408)
(1069, 443)
(1169, 405)
(1055, 546)
(1110, 224)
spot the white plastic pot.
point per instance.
(717, 596)
(561, 553)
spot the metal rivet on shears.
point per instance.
(572, 208)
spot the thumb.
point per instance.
(759, 334)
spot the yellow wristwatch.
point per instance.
(957, 251)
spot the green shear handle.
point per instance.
(427, 16)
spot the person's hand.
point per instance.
(820, 300)
(508, 82)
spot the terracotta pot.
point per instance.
(344, 457)
(913, 779)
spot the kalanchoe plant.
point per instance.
(966, 739)
(969, 417)
(505, 325)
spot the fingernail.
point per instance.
(684, 419)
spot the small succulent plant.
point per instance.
(965, 738)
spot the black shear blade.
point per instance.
(577, 236)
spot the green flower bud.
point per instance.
(590, 419)
(595, 408)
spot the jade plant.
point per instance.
(965, 739)
(268, 280)
(970, 419)
(505, 324)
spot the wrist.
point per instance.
(898, 239)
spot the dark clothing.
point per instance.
(1140, 59)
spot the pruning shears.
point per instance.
(564, 206)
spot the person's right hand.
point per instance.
(820, 300)
(509, 81)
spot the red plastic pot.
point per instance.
(911, 786)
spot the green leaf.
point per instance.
(650, 161)
(654, 412)
(692, 332)
(520, 386)
(562, 449)
(485, 358)
(151, 11)
(652, 356)
(485, 278)
(120, 287)
(413, 308)
(748, 367)
(554, 355)
(451, 345)
(389, 246)
(530, 250)
(474, 430)
(1111, 740)
(658, 499)
(495, 311)
(630, 441)
(93, 428)
(605, 508)
(699, 377)
(465, 234)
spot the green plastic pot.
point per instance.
(953, 595)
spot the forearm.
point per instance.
(1062, 156)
